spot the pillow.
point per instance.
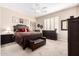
(27, 30)
(21, 30)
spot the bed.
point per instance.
(22, 38)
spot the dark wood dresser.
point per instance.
(7, 38)
(50, 34)
(73, 36)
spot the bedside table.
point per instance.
(7, 38)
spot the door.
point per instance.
(73, 38)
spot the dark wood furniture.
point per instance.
(37, 30)
(22, 38)
(73, 36)
(19, 26)
(36, 43)
(7, 38)
(29, 39)
(50, 34)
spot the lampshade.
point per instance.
(8, 29)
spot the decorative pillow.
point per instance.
(21, 30)
(27, 30)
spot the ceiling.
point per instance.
(37, 9)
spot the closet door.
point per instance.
(73, 37)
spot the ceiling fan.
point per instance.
(39, 8)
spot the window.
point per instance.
(51, 23)
(48, 24)
(57, 24)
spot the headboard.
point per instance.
(19, 26)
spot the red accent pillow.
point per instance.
(21, 30)
(27, 30)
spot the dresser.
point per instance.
(7, 38)
(50, 34)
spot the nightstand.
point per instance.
(7, 38)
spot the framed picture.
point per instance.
(21, 20)
(64, 25)
(17, 20)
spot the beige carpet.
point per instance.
(52, 48)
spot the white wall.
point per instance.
(0, 20)
(7, 18)
(78, 10)
(63, 15)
